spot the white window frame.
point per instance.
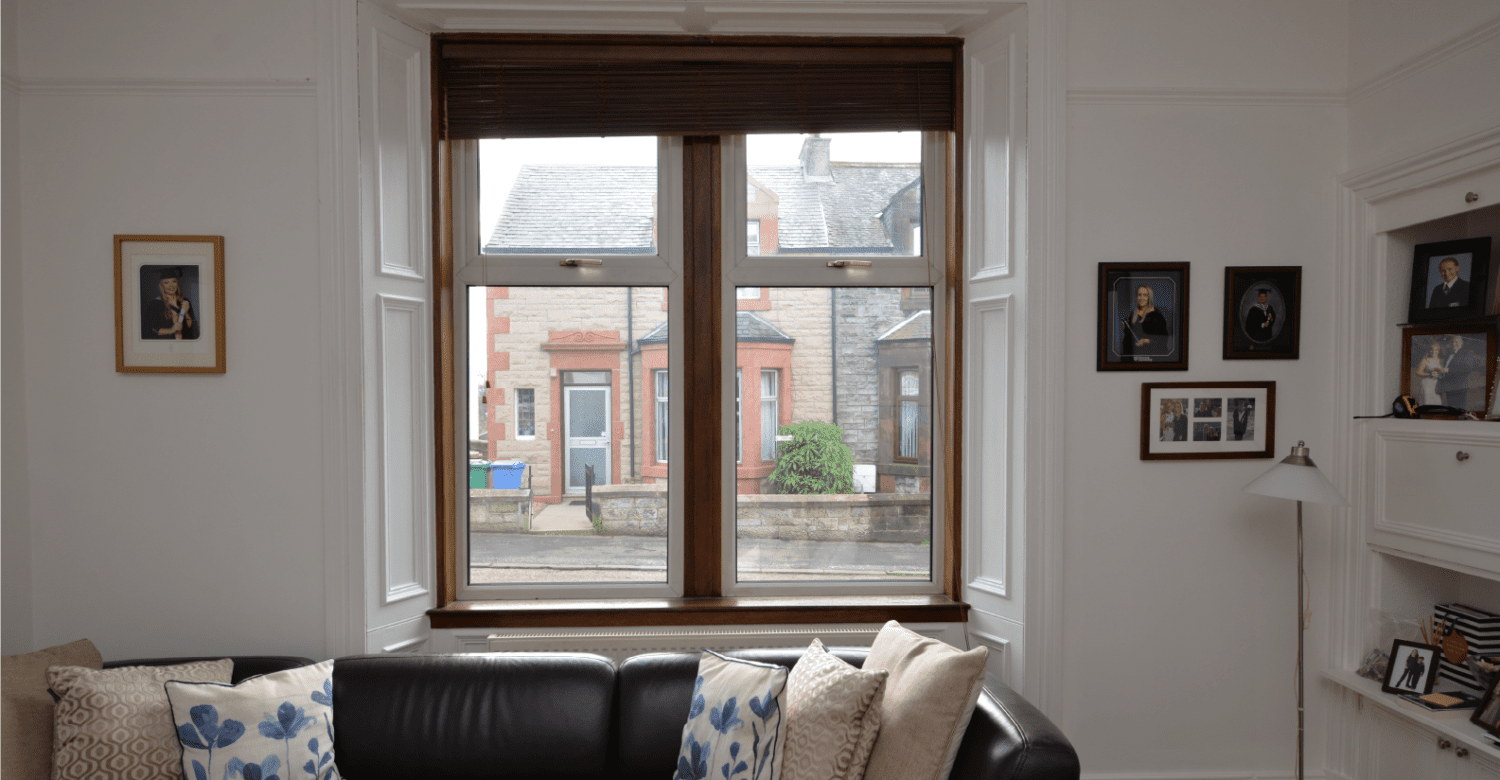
(739, 420)
(928, 268)
(515, 398)
(663, 420)
(472, 266)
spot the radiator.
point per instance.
(619, 644)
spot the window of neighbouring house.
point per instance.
(564, 262)
(525, 413)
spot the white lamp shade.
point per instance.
(1296, 482)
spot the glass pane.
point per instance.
(573, 396)
(845, 497)
(841, 193)
(567, 195)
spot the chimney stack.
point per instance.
(814, 156)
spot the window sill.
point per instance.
(568, 613)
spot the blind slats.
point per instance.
(554, 90)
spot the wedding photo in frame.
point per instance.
(1449, 365)
(1450, 281)
(1487, 714)
(1262, 312)
(169, 304)
(1208, 420)
(1143, 317)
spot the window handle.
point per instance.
(849, 263)
(577, 261)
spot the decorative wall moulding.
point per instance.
(1172, 96)
(305, 88)
(1433, 56)
(1468, 152)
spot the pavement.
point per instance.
(561, 517)
(578, 557)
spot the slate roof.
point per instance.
(748, 326)
(917, 326)
(562, 208)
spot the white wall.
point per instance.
(1420, 74)
(1206, 132)
(169, 513)
(15, 544)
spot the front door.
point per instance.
(586, 437)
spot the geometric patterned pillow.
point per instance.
(277, 724)
(116, 723)
(734, 724)
(832, 717)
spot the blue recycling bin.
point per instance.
(506, 476)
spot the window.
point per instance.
(770, 414)
(662, 415)
(568, 268)
(525, 413)
(908, 397)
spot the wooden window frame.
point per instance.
(703, 601)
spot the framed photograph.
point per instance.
(1208, 420)
(1450, 280)
(1262, 312)
(1487, 714)
(1449, 365)
(1143, 317)
(169, 304)
(1413, 668)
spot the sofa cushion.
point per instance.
(26, 724)
(521, 716)
(832, 717)
(929, 698)
(117, 723)
(735, 721)
(280, 723)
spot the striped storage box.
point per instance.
(1481, 629)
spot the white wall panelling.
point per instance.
(987, 507)
(15, 631)
(399, 473)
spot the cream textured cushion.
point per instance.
(832, 717)
(929, 698)
(26, 725)
(116, 723)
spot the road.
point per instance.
(521, 557)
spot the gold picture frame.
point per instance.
(169, 304)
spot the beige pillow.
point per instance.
(832, 717)
(117, 722)
(26, 722)
(929, 698)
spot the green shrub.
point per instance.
(816, 460)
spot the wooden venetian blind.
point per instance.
(693, 86)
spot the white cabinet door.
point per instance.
(1403, 750)
(1479, 768)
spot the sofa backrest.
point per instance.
(521, 716)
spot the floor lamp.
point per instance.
(1296, 477)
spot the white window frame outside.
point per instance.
(663, 412)
(927, 268)
(472, 266)
(515, 397)
(770, 411)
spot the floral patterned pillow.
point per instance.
(275, 725)
(733, 729)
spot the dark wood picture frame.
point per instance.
(1254, 333)
(193, 340)
(1429, 669)
(1419, 339)
(1163, 338)
(1487, 714)
(1207, 421)
(1470, 296)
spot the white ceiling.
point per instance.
(774, 17)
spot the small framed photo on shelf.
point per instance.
(169, 304)
(1208, 420)
(1262, 312)
(1450, 281)
(1449, 365)
(1413, 668)
(1143, 317)
(1487, 714)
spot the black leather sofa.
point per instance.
(559, 716)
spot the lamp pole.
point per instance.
(1301, 631)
